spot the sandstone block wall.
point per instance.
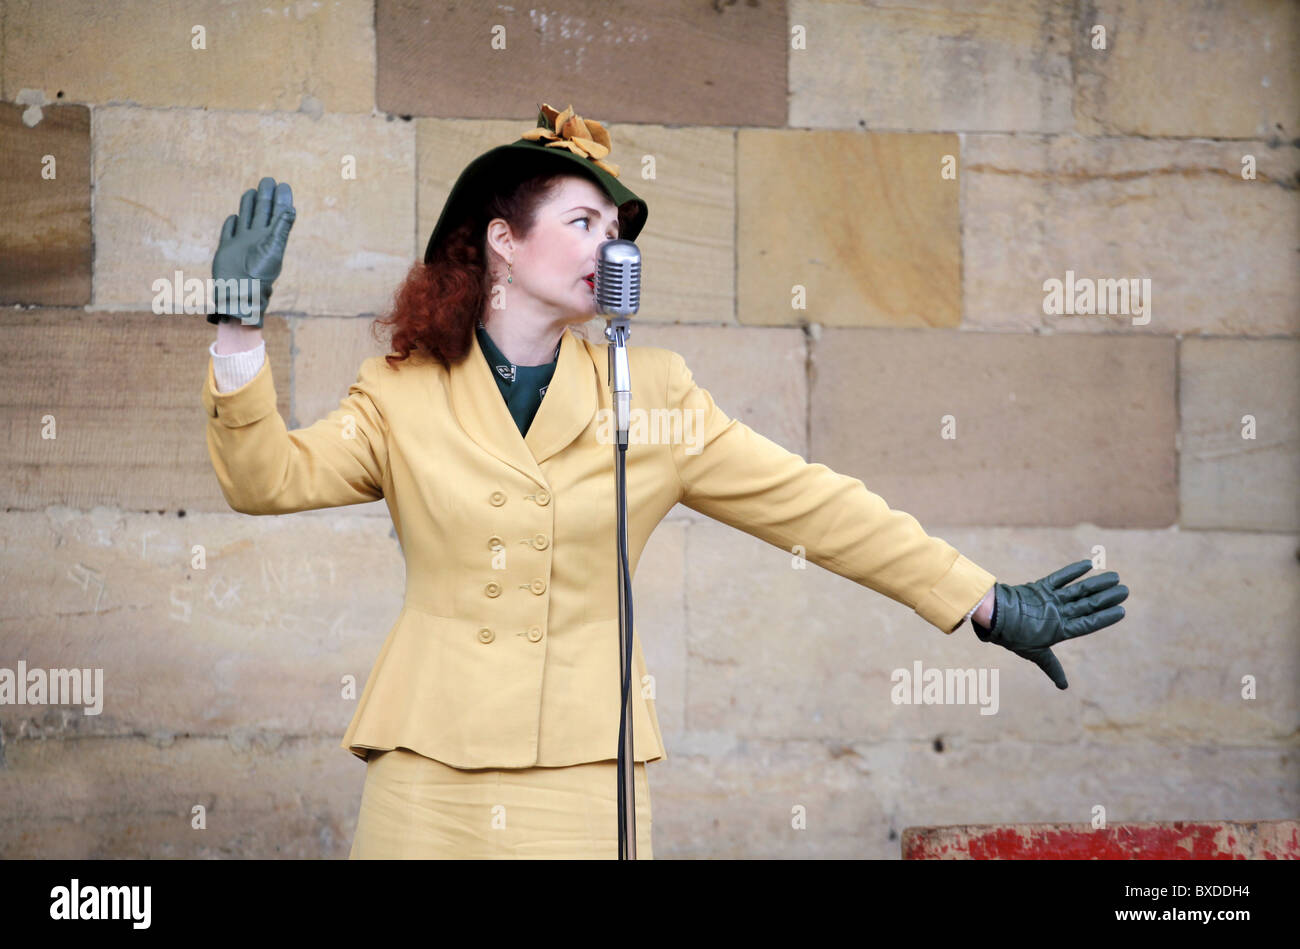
(854, 211)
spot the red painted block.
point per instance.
(1162, 840)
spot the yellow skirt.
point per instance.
(413, 807)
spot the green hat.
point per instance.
(561, 141)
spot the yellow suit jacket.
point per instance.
(505, 652)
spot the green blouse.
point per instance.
(521, 386)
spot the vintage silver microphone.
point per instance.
(618, 278)
(618, 296)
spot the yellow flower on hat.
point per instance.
(586, 138)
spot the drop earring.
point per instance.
(510, 278)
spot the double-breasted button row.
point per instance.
(539, 542)
(485, 635)
(498, 498)
(538, 586)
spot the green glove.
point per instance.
(1030, 618)
(252, 247)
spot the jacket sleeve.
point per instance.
(735, 475)
(265, 469)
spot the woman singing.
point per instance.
(489, 723)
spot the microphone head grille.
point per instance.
(618, 278)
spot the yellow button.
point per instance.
(495, 542)
(497, 498)
(486, 635)
(540, 541)
(538, 586)
(492, 589)
(543, 498)
(534, 634)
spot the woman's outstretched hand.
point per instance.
(252, 245)
(1031, 618)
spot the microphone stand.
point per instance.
(616, 331)
(618, 296)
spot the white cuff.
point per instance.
(976, 606)
(234, 370)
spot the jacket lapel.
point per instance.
(567, 408)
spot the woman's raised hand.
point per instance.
(252, 248)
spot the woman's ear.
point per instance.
(500, 239)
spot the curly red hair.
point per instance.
(438, 305)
